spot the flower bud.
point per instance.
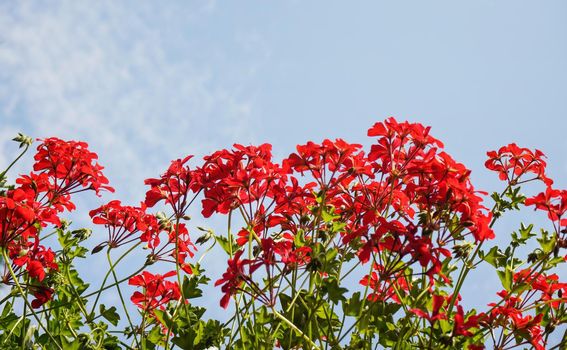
(23, 140)
(82, 234)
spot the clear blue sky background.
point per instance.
(145, 82)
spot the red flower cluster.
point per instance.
(158, 291)
(376, 196)
(404, 205)
(386, 286)
(438, 312)
(554, 202)
(70, 165)
(235, 276)
(232, 179)
(61, 169)
(173, 187)
(125, 223)
(511, 312)
(551, 291)
(512, 162)
(510, 316)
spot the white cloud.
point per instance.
(139, 83)
(133, 81)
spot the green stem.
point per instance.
(102, 287)
(121, 297)
(14, 162)
(76, 294)
(24, 328)
(462, 276)
(10, 295)
(468, 265)
(27, 303)
(294, 327)
(94, 293)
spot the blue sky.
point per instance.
(146, 82)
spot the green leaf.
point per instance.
(299, 240)
(352, 306)
(526, 232)
(156, 337)
(506, 278)
(163, 317)
(333, 290)
(228, 247)
(74, 345)
(190, 288)
(495, 257)
(76, 281)
(546, 243)
(110, 314)
(328, 217)
(331, 254)
(185, 339)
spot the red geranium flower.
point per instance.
(157, 290)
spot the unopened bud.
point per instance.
(151, 259)
(532, 258)
(463, 250)
(59, 279)
(23, 140)
(82, 233)
(163, 221)
(64, 224)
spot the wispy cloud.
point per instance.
(130, 80)
(141, 84)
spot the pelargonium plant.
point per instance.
(334, 247)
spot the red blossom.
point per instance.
(553, 201)
(233, 178)
(511, 316)
(71, 165)
(36, 259)
(405, 199)
(437, 302)
(461, 327)
(42, 295)
(476, 347)
(122, 222)
(385, 285)
(235, 276)
(173, 186)
(512, 162)
(17, 218)
(157, 291)
(548, 285)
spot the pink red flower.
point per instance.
(235, 276)
(512, 162)
(42, 295)
(157, 291)
(385, 285)
(435, 315)
(173, 186)
(510, 315)
(124, 223)
(71, 165)
(554, 202)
